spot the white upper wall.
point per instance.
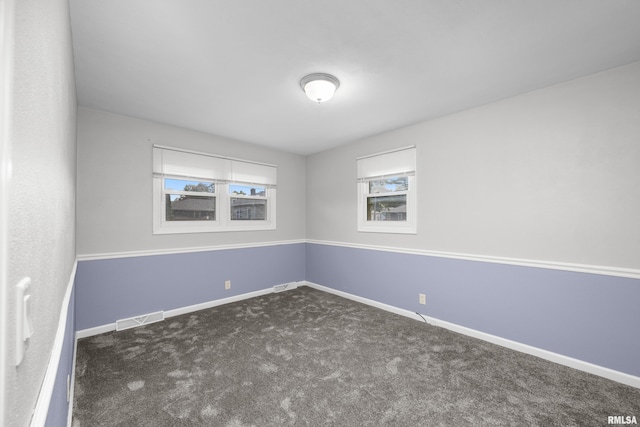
(41, 220)
(551, 175)
(114, 205)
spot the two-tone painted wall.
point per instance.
(527, 220)
(119, 288)
(37, 206)
(125, 270)
(551, 175)
(527, 227)
(590, 317)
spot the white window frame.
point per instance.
(388, 164)
(174, 163)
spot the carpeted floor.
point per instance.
(308, 358)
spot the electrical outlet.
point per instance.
(227, 284)
(423, 299)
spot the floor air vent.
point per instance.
(132, 322)
(285, 287)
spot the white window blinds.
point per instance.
(400, 162)
(253, 173)
(169, 161)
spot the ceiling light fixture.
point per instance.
(319, 87)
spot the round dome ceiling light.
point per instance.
(319, 87)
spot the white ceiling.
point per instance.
(232, 67)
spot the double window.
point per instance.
(386, 192)
(198, 192)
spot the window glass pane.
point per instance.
(248, 209)
(186, 185)
(387, 208)
(190, 208)
(387, 185)
(246, 190)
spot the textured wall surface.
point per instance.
(42, 190)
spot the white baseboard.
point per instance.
(571, 362)
(215, 303)
(89, 332)
(41, 409)
(386, 307)
(581, 365)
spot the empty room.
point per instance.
(250, 213)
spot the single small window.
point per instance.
(386, 192)
(387, 199)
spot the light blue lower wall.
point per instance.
(58, 405)
(107, 290)
(112, 289)
(594, 318)
(590, 317)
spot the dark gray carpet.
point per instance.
(308, 358)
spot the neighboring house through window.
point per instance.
(197, 192)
